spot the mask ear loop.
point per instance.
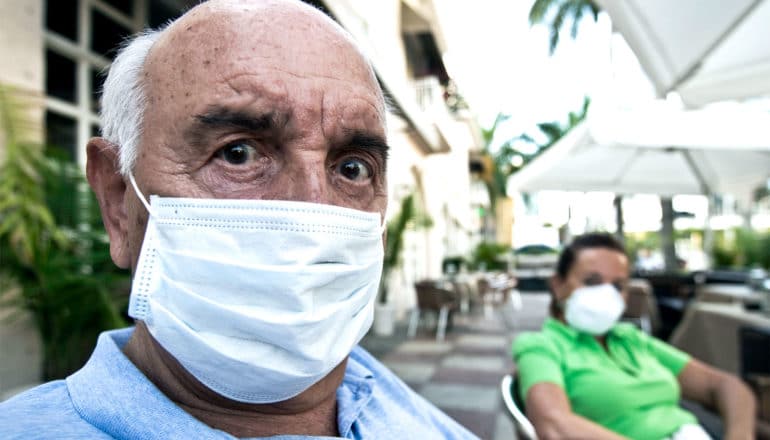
(139, 193)
(384, 224)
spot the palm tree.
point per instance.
(506, 156)
(408, 216)
(564, 10)
(495, 178)
(509, 158)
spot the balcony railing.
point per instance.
(429, 94)
(432, 96)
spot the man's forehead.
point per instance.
(228, 32)
(223, 39)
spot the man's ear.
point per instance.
(103, 173)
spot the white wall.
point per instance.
(403, 172)
(442, 180)
(21, 52)
(20, 353)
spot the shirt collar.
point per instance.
(563, 330)
(354, 393)
(553, 325)
(105, 394)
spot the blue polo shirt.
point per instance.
(110, 398)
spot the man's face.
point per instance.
(262, 101)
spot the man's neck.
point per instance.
(312, 412)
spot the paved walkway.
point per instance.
(462, 374)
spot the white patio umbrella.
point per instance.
(707, 50)
(657, 150)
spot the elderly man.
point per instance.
(241, 177)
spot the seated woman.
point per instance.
(587, 376)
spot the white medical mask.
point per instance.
(594, 309)
(258, 299)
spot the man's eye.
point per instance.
(237, 153)
(354, 169)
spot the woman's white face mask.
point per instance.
(594, 309)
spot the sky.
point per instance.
(502, 64)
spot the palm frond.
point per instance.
(558, 22)
(539, 10)
(578, 9)
(565, 10)
(488, 134)
(553, 130)
(408, 213)
(595, 9)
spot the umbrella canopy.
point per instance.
(657, 150)
(707, 50)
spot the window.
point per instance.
(60, 73)
(61, 134)
(80, 38)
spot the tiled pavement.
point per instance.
(462, 374)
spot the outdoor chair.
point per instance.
(463, 293)
(642, 307)
(509, 388)
(510, 392)
(495, 290)
(432, 296)
(755, 365)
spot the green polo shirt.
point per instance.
(630, 388)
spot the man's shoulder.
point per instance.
(42, 412)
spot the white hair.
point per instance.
(124, 100)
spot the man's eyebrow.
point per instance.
(369, 142)
(219, 117)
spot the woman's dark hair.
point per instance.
(570, 252)
(587, 241)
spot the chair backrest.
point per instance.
(509, 391)
(642, 305)
(432, 297)
(483, 286)
(462, 288)
(755, 349)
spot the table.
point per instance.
(728, 293)
(709, 332)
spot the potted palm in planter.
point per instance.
(408, 215)
(56, 264)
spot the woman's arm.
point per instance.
(723, 391)
(549, 411)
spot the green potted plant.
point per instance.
(56, 264)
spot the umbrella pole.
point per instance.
(667, 234)
(618, 203)
(708, 233)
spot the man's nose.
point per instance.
(307, 181)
